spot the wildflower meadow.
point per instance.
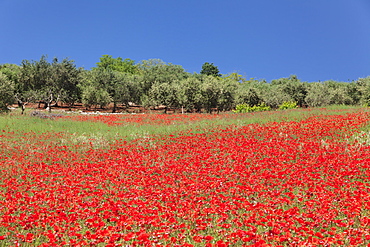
(299, 177)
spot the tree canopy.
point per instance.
(210, 69)
(153, 82)
(127, 65)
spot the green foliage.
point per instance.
(247, 93)
(242, 108)
(188, 93)
(153, 82)
(363, 90)
(340, 96)
(150, 63)
(353, 93)
(12, 71)
(338, 92)
(226, 96)
(9, 80)
(210, 69)
(92, 96)
(291, 87)
(207, 92)
(6, 92)
(48, 82)
(288, 105)
(210, 91)
(120, 78)
(67, 78)
(236, 77)
(157, 71)
(98, 87)
(127, 88)
(261, 107)
(107, 62)
(245, 108)
(333, 93)
(162, 94)
(273, 96)
(317, 95)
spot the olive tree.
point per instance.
(339, 92)
(127, 88)
(95, 86)
(48, 83)
(273, 95)
(107, 62)
(6, 92)
(226, 97)
(162, 94)
(248, 93)
(363, 90)
(188, 94)
(156, 71)
(317, 95)
(291, 87)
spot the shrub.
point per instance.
(244, 108)
(288, 105)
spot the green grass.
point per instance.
(101, 132)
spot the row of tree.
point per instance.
(152, 83)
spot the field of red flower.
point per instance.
(292, 183)
(154, 119)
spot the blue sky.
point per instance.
(264, 39)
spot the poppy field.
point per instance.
(276, 182)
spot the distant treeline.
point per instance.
(152, 83)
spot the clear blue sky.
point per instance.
(264, 39)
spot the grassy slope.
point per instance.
(14, 122)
